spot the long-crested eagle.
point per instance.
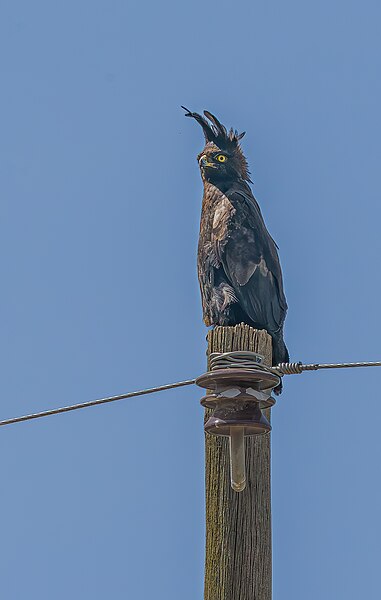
(238, 265)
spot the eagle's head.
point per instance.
(222, 159)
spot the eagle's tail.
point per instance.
(280, 354)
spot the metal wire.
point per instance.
(296, 368)
(57, 411)
(247, 360)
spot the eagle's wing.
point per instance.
(249, 257)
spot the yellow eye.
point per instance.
(221, 158)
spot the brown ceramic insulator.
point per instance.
(237, 397)
(229, 414)
(256, 378)
(211, 400)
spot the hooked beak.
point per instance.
(203, 162)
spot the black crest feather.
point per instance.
(214, 131)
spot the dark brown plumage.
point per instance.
(238, 265)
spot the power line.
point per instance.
(57, 411)
(296, 368)
(281, 369)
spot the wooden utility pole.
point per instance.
(238, 525)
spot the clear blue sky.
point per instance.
(99, 221)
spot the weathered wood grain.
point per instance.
(238, 525)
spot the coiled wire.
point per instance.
(250, 361)
(238, 359)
